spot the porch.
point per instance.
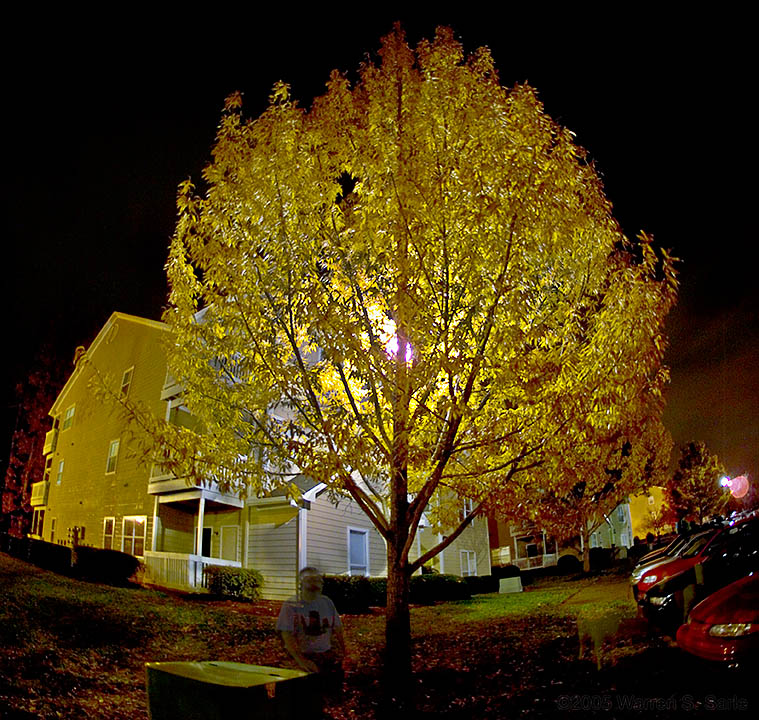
(180, 570)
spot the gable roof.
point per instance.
(99, 338)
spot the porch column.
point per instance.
(201, 512)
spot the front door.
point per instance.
(229, 542)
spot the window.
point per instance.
(126, 381)
(59, 476)
(467, 509)
(358, 551)
(38, 520)
(133, 535)
(468, 563)
(621, 513)
(650, 499)
(68, 418)
(113, 454)
(52, 530)
(594, 540)
(48, 467)
(108, 526)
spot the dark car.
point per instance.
(725, 626)
(733, 554)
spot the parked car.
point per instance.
(730, 555)
(725, 626)
(689, 555)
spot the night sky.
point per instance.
(104, 120)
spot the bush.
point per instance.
(507, 571)
(106, 566)
(50, 556)
(568, 564)
(233, 582)
(480, 584)
(427, 589)
(355, 593)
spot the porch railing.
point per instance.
(180, 570)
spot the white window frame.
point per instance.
(621, 513)
(59, 473)
(106, 535)
(468, 509)
(112, 460)
(68, 417)
(38, 521)
(468, 560)
(128, 541)
(126, 381)
(365, 533)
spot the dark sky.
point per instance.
(105, 118)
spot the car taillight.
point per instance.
(733, 629)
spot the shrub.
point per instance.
(479, 584)
(233, 582)
(426, 589)
(354, 593)
(506, 571)
(106, 566)
(568, 564)
(50, 556)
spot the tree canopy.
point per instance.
(413, 289)
(694, 492)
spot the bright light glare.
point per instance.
(725, 482)
(739, 486)
(391, 347)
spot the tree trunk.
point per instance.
(585, 549)
(397, 679)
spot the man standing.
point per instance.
(313, 632)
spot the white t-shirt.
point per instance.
(312, 623)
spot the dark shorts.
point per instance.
(330, 671)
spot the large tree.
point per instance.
(402, 292)
(26, 464)
(694, 491)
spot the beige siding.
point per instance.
(87, 493)
(327, 537)
(474, 538)
(273, 551)
(174, 531)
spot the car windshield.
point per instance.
(696, 545)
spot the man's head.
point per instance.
(311, 581)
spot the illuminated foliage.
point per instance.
(404, 292)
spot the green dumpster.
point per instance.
(211, 690)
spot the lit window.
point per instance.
(133, 535)
(126, 381)
(68, 418)
(108, 526)
(59, 476)
(113, 454)
(468, 563)
(650, 499)
(358, 551)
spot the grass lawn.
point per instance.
(71, 649)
